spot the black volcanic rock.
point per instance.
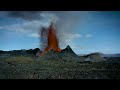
(68, 49)
(69, 52)
(38, 52)
(66, 54)
(52, 55)
(1, 51)
(69, 55)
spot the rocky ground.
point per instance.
(27, 64)
(32, 67)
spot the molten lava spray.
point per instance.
(52, 40)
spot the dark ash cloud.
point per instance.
(26, 15)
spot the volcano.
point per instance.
(52, 44)
(65, 54)
(52, 40)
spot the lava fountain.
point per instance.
(52, 40)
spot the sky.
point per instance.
(85, 31)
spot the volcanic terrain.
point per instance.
(25, 64)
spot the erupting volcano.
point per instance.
(52, 40)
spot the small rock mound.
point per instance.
(94, 57)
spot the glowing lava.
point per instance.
(52, 41)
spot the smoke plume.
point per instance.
(65, 21)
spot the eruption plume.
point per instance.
(50, 41)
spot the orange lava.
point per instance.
(52, 42)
